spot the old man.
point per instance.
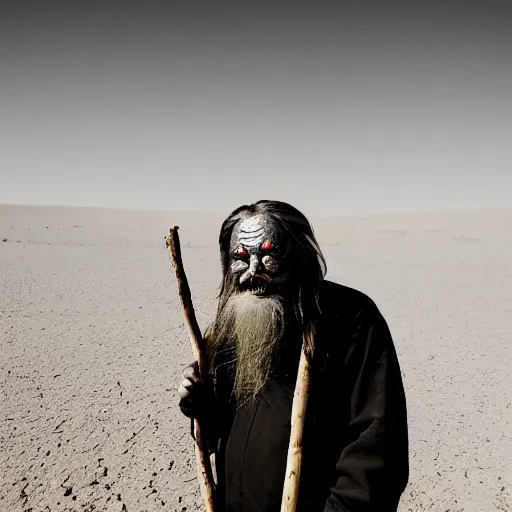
(273, 296)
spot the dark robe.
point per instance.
(355, 455)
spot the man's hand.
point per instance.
(197, 402)
(191, 392)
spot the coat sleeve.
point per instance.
(373, 468)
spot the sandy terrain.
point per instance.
(93, 344)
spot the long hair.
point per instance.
(308, 263)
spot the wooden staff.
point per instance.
(204, 467)
(294, 460)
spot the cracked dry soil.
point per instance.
(93, 345)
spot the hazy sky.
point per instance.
(358, 108)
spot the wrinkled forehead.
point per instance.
(255, 230)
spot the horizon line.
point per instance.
(496, 209)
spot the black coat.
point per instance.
(356, 440)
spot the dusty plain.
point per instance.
(93, 344)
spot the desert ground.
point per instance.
(93, 345)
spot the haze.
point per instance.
(356, 110)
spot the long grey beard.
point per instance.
(251, 327)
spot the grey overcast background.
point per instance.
(361, 108)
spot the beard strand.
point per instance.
(248, 332)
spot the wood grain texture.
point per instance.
(294, 459)
(204, 467)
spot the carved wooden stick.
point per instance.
(294, 460)
(204, 467)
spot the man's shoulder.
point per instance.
(347, 317)
(337, 299)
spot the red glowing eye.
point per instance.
(266, 245)
(241, 251)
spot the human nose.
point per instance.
(254, 263)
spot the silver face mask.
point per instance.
(258, 254)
